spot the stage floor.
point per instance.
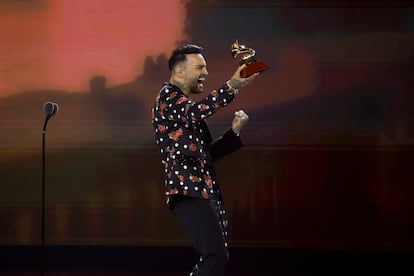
(178, 261)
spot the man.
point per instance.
(188, 152)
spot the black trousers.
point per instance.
(206, 225)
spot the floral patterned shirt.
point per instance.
(185, 143)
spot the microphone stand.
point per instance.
(43, 197)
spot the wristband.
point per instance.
(230, 90)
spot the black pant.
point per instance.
(205, 223)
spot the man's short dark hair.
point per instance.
(179, 54)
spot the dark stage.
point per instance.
(171, 261)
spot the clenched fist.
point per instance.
(240, 119)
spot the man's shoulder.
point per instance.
(170, 92)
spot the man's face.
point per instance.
(195, 71)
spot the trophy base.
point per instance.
(253, 68)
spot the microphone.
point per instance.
(50, 108)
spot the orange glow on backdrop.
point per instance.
(61, 44)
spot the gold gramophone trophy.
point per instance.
(249, 58)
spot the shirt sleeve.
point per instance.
(176, 106)
(227, 143)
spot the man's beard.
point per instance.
(196, 87)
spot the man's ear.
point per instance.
(179, 70)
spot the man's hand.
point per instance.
(240, 119)
(238, 82)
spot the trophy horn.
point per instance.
(235, 48)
